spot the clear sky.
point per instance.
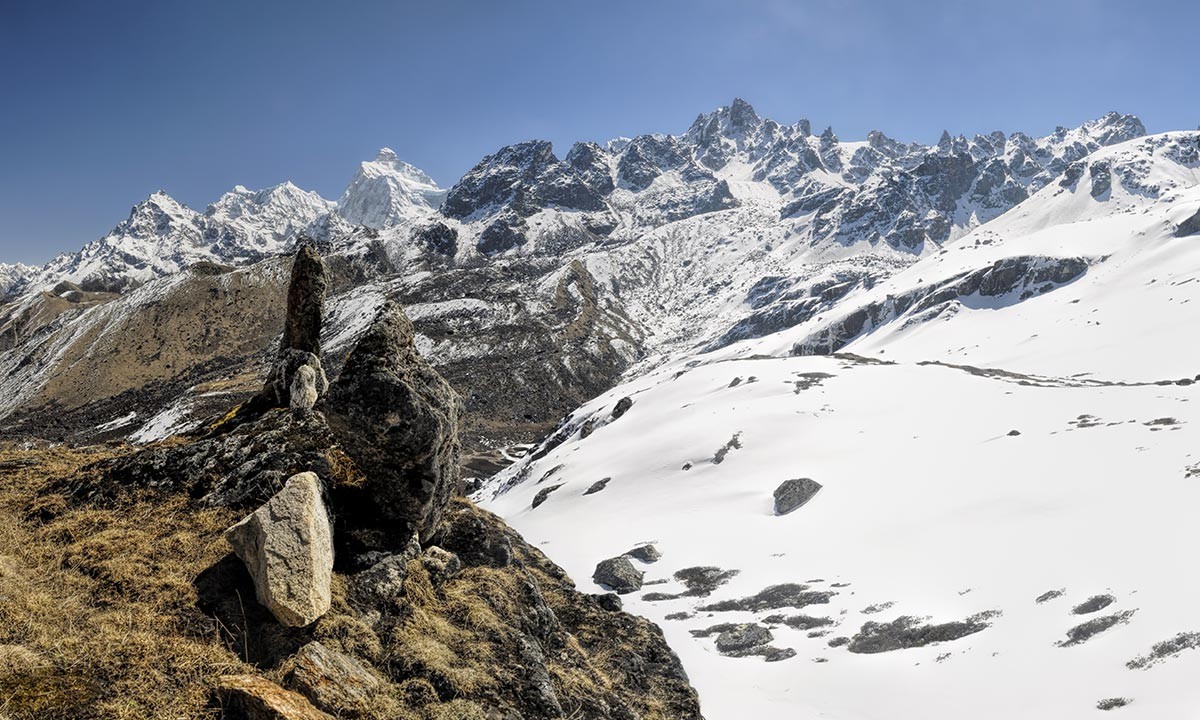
(102, 103)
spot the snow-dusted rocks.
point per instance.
(287, 546)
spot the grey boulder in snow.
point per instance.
(619, 575)
(791, 494)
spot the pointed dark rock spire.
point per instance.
(301, 344)
(306, 302)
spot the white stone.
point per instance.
(287, 545)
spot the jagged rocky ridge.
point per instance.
(450, 608)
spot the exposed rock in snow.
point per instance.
(618, 574)
(791, 494)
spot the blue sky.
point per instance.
(102, 103)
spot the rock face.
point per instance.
(333, 681)
(249, 697)
(287, 546)
(397, 419)
(305, 302)
(791, 494)
(618, 574)
(1191, 226)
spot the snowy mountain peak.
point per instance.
(157, 214)
(387, 162)
(1114, 128)
(387, 191)
(12, 275)
(525, 177)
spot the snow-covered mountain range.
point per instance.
(617, 255)
(525, 200)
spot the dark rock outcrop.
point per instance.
(646, 553)
(743, 637)
(1191, 226)
(621, 407)
(909, 632)
(397, 420)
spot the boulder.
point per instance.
(333, 681)
(621, 407)
(249, 697)
(791, 494)
(543, 495)
(397, 418)
(619, 575)
(303, 391)
(610, 602)
(646, 553)
(597, 486)
(287, 545)
(743, 637)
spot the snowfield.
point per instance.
(1005, 447)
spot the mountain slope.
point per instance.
(1004, 465)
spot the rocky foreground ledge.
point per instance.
(361, 586)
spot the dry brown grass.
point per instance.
(103, 599)
(99, 615)
(428, 642)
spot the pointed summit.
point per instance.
(742, 115)
(387, 191)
